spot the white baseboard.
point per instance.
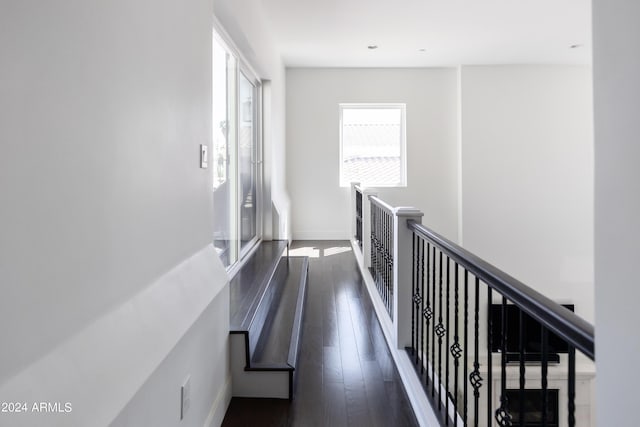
(220, 405)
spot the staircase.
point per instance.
(266, 308)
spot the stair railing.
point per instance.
(457, 317)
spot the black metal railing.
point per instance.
(473, 324)
(358, 235)
(382, 239)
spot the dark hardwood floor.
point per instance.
(346, 375)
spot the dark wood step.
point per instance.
(279, 341)
(248, 286)
(266, 316)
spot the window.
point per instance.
(372, 145)
(224, 154)
(235, 155)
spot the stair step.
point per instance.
(249, 285)
(266, 322)
(278, 341)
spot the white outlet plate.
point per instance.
(204, 156)
(185, 397)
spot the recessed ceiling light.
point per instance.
(372, 46)
(575, 46)
(422, 50)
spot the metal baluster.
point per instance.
(427, 311)
(381, 255)
(521, 333)
(489, 357)
(416, 300)
(389, 271)
(360, 203)
(466, 344)
(372, 240)
(456, 351)
(446, 383)
(422, 306)
(377, 234)
(433, 326)
(380, 243)
(388, 281)
(503, 417)
(440, 331)
(359, 218)
(545, 361)
(391, 284)
(378, 249)
(475, 378)
(374, 243)
(385, 248)
(414, 284)
(572, 386)
(386, 259)
(390, 264)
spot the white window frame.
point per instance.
(403, 141)
(244, 69)
(243, 66)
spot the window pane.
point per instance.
(372, 146)
(223, 155)
(247, 162)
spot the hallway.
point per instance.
(346, 376)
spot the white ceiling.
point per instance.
(336, 33)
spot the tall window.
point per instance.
(224, 154)
(235, 155)
(372, 145)
(247, 161)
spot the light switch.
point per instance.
(204, 156)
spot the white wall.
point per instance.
(161, 399)
(616, 37)
(105, 250)
(320, 208)
(527, 176)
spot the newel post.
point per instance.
(402, 273)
